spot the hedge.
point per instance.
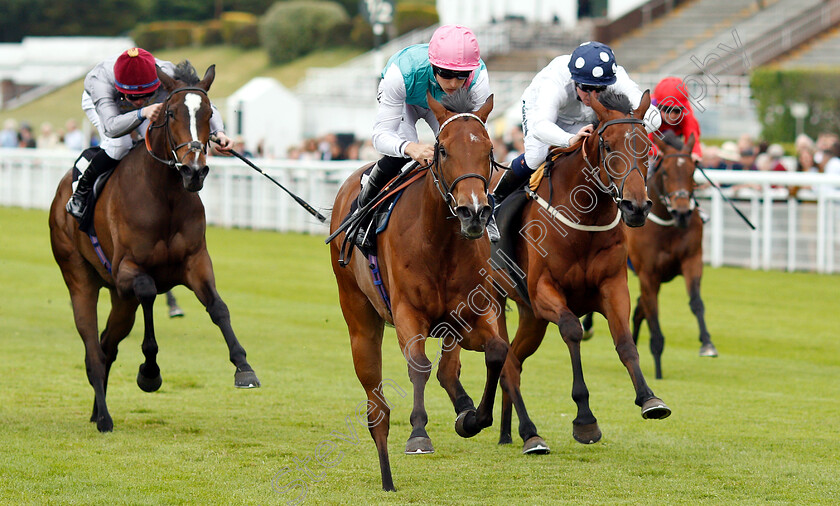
(289, 30)
(774, 90)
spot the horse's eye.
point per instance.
(442, 151)
(170, 114)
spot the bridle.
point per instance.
(193, 146)
(604, 151)
(664, 197)
(445, 188)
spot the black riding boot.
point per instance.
(509, 182)
(384, 171)
(100, 164)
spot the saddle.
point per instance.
(86, 224)
(361, 229)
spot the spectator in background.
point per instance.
(47, 139)
(239, 147)
(500, 149)
(776, 152)
(27, 138)
(74, 139)
(731, 156)
(516, 144)
(9, 137)
(367, 151)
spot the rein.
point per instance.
(194, 146)
(440, 181)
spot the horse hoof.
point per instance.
(466, 424)
(505, 439)
(588, 334)
(535, 446)
(246, 379)
(419, 446)
(587, 434)
(147, 384)
(176, 312)
(708, 350)
(655, 409)
(105, 424)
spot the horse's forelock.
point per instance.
(186, 73)
(460, 101)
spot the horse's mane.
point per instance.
(460, 101)
(185, 72)
(671, 139)
(615, 101)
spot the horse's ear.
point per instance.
(596, 105)
(167, 82)
(660, 143)
(205, 83)
(644, 105)
(439, 110)
(485, 109)
(689, 145)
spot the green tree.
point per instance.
(68, 17)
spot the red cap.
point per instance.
(135, 72)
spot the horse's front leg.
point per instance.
(200, 279)
(130, 279)
(485, 337)
(692, 271)
(649, 303)
(551, 305)
(615, 301)
(412, 329)
(120, 323)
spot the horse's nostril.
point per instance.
(204, 171)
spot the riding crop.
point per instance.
(724, 196)
(299, 200)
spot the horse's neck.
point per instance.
(568, 180)
(436, 218)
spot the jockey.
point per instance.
(120, 95)
(556, 107)
(450, 61)
(671, 97)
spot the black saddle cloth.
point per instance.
(503, 252)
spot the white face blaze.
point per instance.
(193, 103)
(476, 205)
(474, 138)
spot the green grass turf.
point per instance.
(760, 424)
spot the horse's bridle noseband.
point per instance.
(193, 146)
(440, 182)
(611, 189)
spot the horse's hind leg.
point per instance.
(366, 327)
(692, 272)
(148, 377)
(529, 336)
(200, 279)
(615, 301)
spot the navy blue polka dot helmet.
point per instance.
(593, 63)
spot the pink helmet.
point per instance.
(454, 47)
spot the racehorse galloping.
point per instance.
(670, 243)
(575, 261)
(150, 222)
(431, 265)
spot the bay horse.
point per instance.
(150, 223)
(669, 244)
(576, 261)
(431, 265)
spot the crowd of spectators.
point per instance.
(21, 135)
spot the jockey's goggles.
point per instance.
(461, 75)
(134, 98)
(670, 108)
(588, 88)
